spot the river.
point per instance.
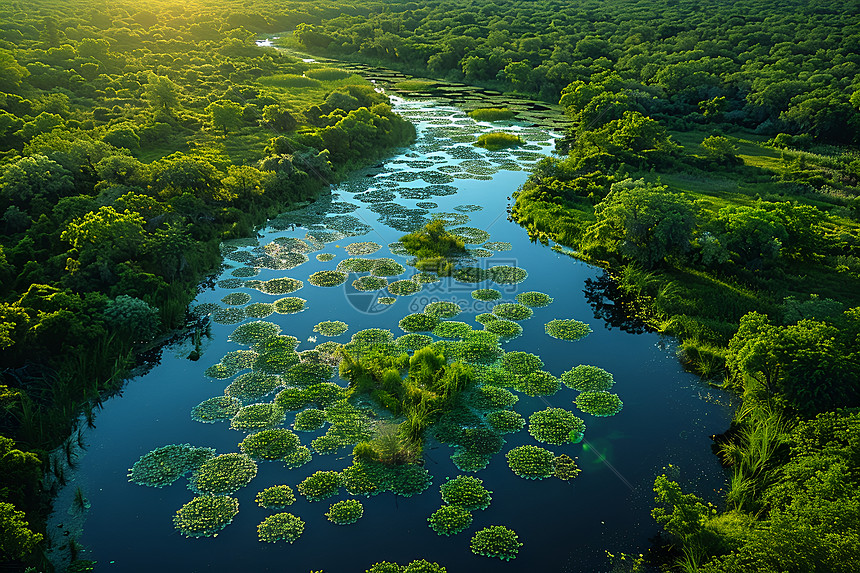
(666, 418)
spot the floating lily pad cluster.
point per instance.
(370, 477)
(418, 322)
(223, 474)
(320, 485)
(237, 298)
(363, 248)
(257, 417)
(253, 386)
(252, 332)
(205, 516)
(280, 527)
(496, 541)
(417, 566)
(163, 466)
(309, 420)
(467, 492)
(369, 283)
(289, 305)
(566, 468)
(531, 462)
(217, 409)
(452, 329)
(270, 444)
(331, 328)
(404, 287)
(327, 278)
(506, 421)
(505, 329)
(584, 378)
(443, 309)
(567, 329)
(599, 404)
(534, 299)
(345, 512)
(556, 426)
(450, 520)
(283, 285)
(512, 311)
(276, 497)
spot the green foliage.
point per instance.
(443, 309)
(327, 278)
(163, 466)
(566, 468)
(280, 527)
(486, 294)
(309, 420)
(496, 541)
(521, 363)
(467, 492)
(215, 409)
(320, 485)
(584, 378)
(531, 462)
(271, 444)
(498, 140)
(18, 540)
(223, 474)
(505, 329)
(276, 497)
(418, 322)
(257, 417)
(534, 299)
(450, 520)
(567, 329)
(506, 421)
(205, 516)
(598, 403)
(491, 114)
(331, 328)
(556, 426)
(512, 311)
(345, 512)
(434, 247)
(253, 332)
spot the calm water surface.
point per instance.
(563, 526)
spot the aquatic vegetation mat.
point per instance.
(276, 497)
(599, 403)
(531, 462)
(467, 492)
(289, 305)
(496, 541)
(280, 527)
(556, 426)
(443, 309)
(163, 466)
(237, 298)
(217, 409)
(257, 417)
(567, 329)
(252, 332)
(345, 512)
(584, 378)
(404, 288)
(331, 328)
(512, 311)
(223, 474)
(369, 283)
(269, 445)
(363, 248)
(534, 299)
(327, 278)
(450, 520)
(205, 516)
(320, 485)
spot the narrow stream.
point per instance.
(564, 526)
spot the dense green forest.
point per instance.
(132, 141)
(710, 169)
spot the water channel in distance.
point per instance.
(564, 526)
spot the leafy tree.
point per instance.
(162, 93)
(720, 149)
(133, 317)
(17, 541)
(225, 114)
(279, 118)
(106, 233)
(643, 222)
(753, 235)
(179, 173)
(34, 183)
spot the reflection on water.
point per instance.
(563, 526)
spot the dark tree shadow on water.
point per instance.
(611, 305)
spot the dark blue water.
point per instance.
(563, 526)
